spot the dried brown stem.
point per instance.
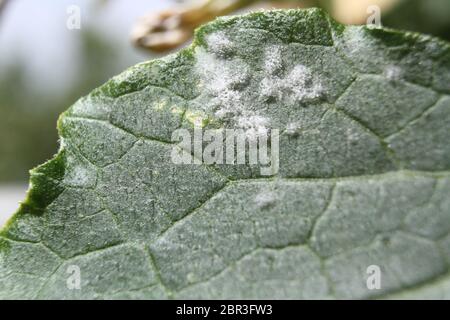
(168, 29)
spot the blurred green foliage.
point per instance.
(425, 16)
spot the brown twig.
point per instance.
(168, 29)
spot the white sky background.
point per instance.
(36, 30)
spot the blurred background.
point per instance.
(45, 66)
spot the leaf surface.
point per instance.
(364, 120)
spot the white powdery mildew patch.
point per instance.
(219, 44)
(273, 63)
(298, 86)
(265, 200)
(353, 136)
(393, 73)
(292, 128)
(302, 84)
(78, 176)
(254, 126)
(221, 80)
(224, 81)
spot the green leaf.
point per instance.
(364, 179)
